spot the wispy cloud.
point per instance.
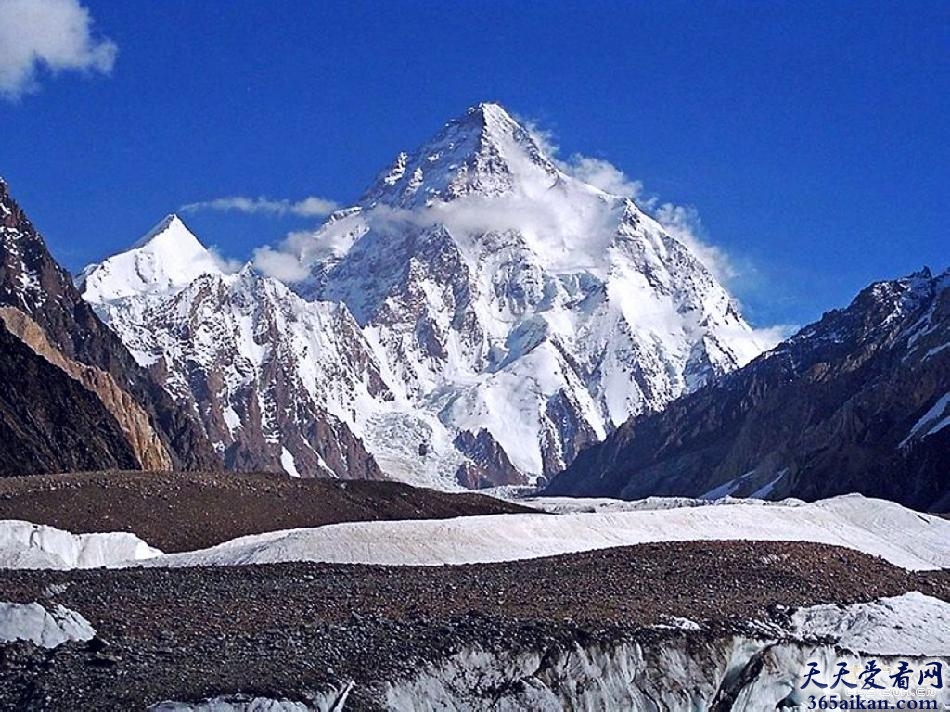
(597, 172)
(308, 207)
(53, 34)
(604, 175)
(681, 222)
(286, 262)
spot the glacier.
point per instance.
(899, 535)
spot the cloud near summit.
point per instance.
(311, 206)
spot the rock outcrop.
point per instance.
(46, 315)
(49, 421)
(857, 402)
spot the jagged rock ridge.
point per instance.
(258, 365)
(857, 402)
(44, 312)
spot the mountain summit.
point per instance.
(516, 305)
(484, 151)
(477, 318)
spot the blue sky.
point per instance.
(811, 138)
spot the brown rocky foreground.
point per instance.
(282, 630)
(186, 511)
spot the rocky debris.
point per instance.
(33, 283)
(857, 402)
(187, 511)
(290, 630)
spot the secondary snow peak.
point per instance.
(166, 259)
(170, 226)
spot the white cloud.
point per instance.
(680, 222)
(597, 172)
(770, 336)
(55, 34)
(684, 224)
(308, 207)
(604, 175)
(280, 264)
(748, 342)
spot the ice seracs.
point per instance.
(24, 545)
(743, 672)
(47, 628)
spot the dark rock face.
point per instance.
(857, 402)
(261, 417)
(566, 432)
(32, 282)
(49, 422)
(489, 464)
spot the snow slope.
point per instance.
(901, 536)
(32, 546)
(580, 505)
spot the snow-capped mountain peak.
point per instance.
(500, 315)
(170, 229)
(527, 311)
(484, 152)
(166, 259)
